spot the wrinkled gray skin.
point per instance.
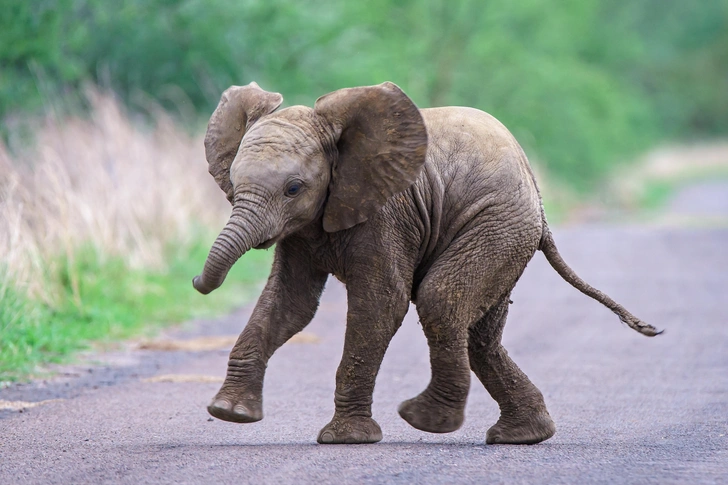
(436, 206)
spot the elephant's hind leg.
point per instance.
(524, 418)
(444, 305)
(440, 407)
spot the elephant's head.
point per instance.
(338, 162)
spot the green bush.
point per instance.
(583, 83)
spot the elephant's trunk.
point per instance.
(237, 237)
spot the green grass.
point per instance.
(102, 300)
(656, 194)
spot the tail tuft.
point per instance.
(639, 325)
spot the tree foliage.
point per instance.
(583, 84)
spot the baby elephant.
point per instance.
(435, 206)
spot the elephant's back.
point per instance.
(476, 155)
(477, 176)
(457, 122)
(468, 138)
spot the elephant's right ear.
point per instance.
(239, 108)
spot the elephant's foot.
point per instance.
(236, 410)
(357, 429)
(529, 430)
(427, 414)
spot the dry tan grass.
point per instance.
(105, 183)
(669, 164)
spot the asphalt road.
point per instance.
(629, 409)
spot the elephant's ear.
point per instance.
(381, 142)
(239, 108)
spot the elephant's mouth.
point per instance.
(266, 244)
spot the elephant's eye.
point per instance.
(293, 189)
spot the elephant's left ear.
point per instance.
(381, 142)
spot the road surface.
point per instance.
(629, 409)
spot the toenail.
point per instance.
(327, 437)
(222, 404)
(241, 409)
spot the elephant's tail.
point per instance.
(548, 247)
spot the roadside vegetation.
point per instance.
(106, 208)
(585, 85)
(102, 226)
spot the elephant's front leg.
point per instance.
(285, 307)
(376, 310)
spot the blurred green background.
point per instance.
(98, 97)
(583, 84)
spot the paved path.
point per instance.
(629, 409)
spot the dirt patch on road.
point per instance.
(183, 378)
(22, 405)
(202, 344)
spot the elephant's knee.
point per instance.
(439, 305)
